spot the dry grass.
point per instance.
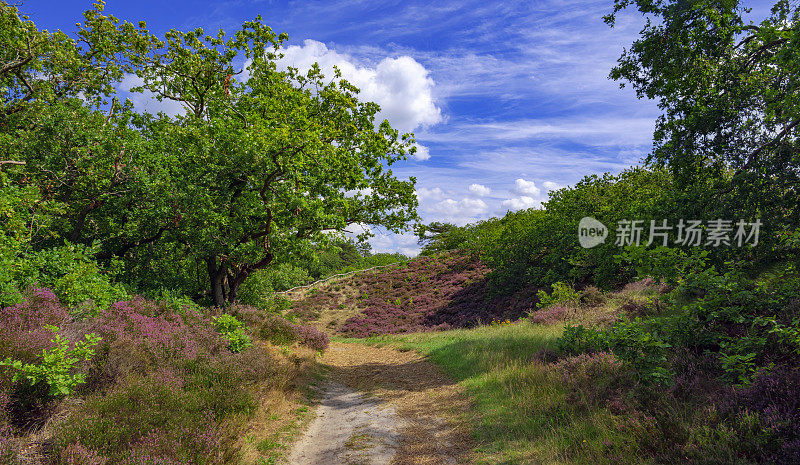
(432, 405)
(283, 408)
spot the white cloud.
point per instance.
(459, 212)
(551, 186)
(479, 189)
(526, 187)
(424, 193)
(401, 86)
(405, 243)
(422, 152)
(518, 203)
(146, 101)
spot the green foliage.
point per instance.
(56, 364)
(540, 247)
(563, 293)
(578, 339)
(727, 90)
(72, 273)
(233, 331)
(641, 349)
(258, 290)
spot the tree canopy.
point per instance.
(264, 163)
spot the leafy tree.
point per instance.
(271, 162)
(729, 94)
(264, 165)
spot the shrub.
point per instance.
(550, 315)
(145, 421)
(640, 349)
(278, 331)
(56, 364)
(593, 296)
(562, 293)
(597, 379)
(71, 272)
(578, 339)
(282, 332)
(23, 333)
(233, 331)
(147, 329)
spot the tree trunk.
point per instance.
(216, 276)
(225, 282)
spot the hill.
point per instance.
(447, 291)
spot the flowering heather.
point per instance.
(166, 336)
(550, 315)
(22, 326)
(281, 331)
(78, 454)
(428, 293)
(311, 337)
(776, 397)
(6, 444)
(186, 445)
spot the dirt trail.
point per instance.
(382, 406)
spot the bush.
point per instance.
(282, 332)
(56, 364)
(258, 289)
(71, 272)
(233, 331)
(578, 339)
(562, 293)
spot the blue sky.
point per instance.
(508, 100)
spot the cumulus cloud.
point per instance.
(405, 243)
(422, 152)
(550, 185)
(459, 212)
(424, 193)
(519, 203)
(528, 188)
(401, 86)
(479, 189)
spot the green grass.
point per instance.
(520, 408)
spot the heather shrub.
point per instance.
(311, 337)
(162, 336)
(641, 306)
(277, 330)
(251, 316)
(282, 332)
(144, 420)
(23, 333)
(550, 315)
(593, 296)
(597, 379)
(56, 366)
(77, 454)
(775, 396)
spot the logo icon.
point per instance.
(591, 232)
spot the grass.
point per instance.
(521, 410)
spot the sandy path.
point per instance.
(382, 406)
